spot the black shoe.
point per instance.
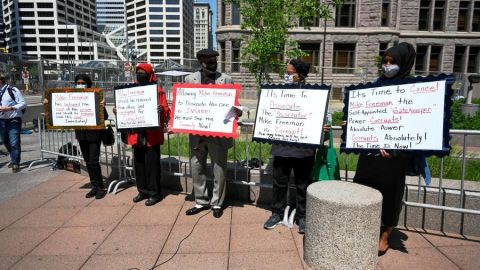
(195, 210)
(140, 197)
(15, 168)
(153, 200)
(91, 193)
(217, 212)
(272, 221)
(101, 192)
(301, 225)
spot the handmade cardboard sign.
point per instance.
(137, 106)
(291, 114)
(204, 109)
(410, 114)
(71, 108)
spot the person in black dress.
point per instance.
(386, 170)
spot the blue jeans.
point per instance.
(10, 133)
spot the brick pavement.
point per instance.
(53, 226)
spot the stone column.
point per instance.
(342, 226)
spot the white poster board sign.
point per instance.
(137, 107)
(73, 109)
(204, 109)
(406, 116)
(290, 115)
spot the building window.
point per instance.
(155, 2)
(236, 44)
(473, 65)
(313, 54)
(463, 16)
(476, 17)
(424, 15)
(435, 59)
(438, 15)
(235, 14)
(459, 60)
(222, 56)
(343, 58)
(345, 14)
(385, 12)
(382, 48)
(45, 5)
(421, 58)
(172, 2)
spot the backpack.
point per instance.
(10, 92)
(68, 149)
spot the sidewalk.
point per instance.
(53, 226)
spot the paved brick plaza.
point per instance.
(53, 226)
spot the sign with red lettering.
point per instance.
(204, 109)
(71, 108)
(410, 114)
(291, 114)
(137, 106)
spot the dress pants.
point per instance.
(218, 156)
(147, 170)
(91, 156)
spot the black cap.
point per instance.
(300, 66)
(206, 53)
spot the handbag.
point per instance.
(326, 165)
(108, 138)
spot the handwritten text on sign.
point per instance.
(291, 115)
(202, 111)
(137, 107)
(407, 116)
(73, 109)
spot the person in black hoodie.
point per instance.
(90, 142)
(386, 170)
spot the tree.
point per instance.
(268, 22)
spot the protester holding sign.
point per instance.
(201, 146)
(286, 158)
(12, 105)
(146, 145)
(385, 171)
(90, 141)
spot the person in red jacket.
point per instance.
(146, 145)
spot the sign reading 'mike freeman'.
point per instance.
(410, 114)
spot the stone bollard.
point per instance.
(342, 226)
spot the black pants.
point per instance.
(282, 167)
(147, 170)
(91, 156)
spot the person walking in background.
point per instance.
(146, 145)
(386, 170)
(12, 105)
(201, 146)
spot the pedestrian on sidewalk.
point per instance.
(12, 105)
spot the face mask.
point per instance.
(390, 71)
(288, 78)
(81, 86)
(142, 78)
(210, 66)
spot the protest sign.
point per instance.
(204, 109)
(137, 106)
(291, 114)
(74, 108)
(410, 114)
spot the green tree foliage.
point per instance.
(268, 22)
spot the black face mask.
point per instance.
(142, 78)
(210, 66)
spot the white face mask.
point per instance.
(390, 71)
(288, 78)
(81, 86)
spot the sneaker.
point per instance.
(272, 221)
(91, 193)
(15, 168)
(301, 225)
